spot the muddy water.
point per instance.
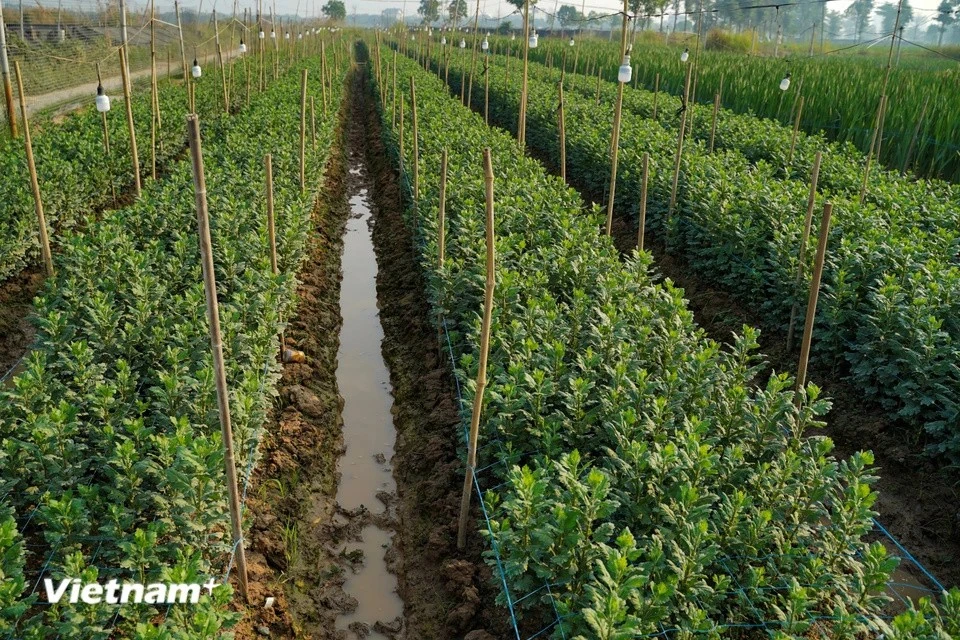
(368, 431)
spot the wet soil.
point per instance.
(303, 542)
(16, 303)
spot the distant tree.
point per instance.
(946, 17)
(834, 24)
(457, 9)
(336, 10)
(430, 10)
(568, 15)
(504, 28)
(888, 16)
(860, 11)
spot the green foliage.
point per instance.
(642, 475)
(113, 425)
(891, 282)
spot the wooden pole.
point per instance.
(643, 201)
(393, 113)
(486, 90)
(223, 80)
(128, 104)
(271, 228)
(563, 138)
(676, 161)
(416, 144)
(807, 222)
(713, 125)
(303, 131)
(656, 94)
(484, 351)
(615, 135)
(522, 124)
(473, 62)
(796, 130)
(873, 144)
(183, 52)
(812, 301)
(220, 376)
(313, 124)
(34, 182)
(441, 224)
(5, 73)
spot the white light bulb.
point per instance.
(243, 47)
(785, 83)
(571, 42)
(485, 44)
(261, 35)
(463, 43)
(625, 72)
(287, 35)
(196, 69)
(534, 39)
(103, 100)
(443, 40)
(513, 36)
(273, 34)
(299, 36)
(685, 55)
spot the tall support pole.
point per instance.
(183, 51)
(642, 227)
(5, 72)
(615, 136)
(563, 137)
(34, 182)
(801, 255)
(522, 124)
(484, 351)
(814, 294)
(219, 371)
(303, 131)
(123, 43)
(416, 143)
(128, 105)
(473, 61)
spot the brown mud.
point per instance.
(302, 542)
(16, 303)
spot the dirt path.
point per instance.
(304, 542)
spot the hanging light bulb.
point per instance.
(785, 83)
(625, 72)
(463, 43)
(103, 100)
(299, 36)
(196, 72)
(273, 34)
(243, 47)
(513, 36)
(485, 44)
(685, 55)
(443, 40)
(571, 42)
(534, 39)
(287, 35)
(262, 34)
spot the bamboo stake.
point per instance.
(676, 161)
(313, 124)
(486, 90)
(443, 208)
(873, 144)
(416, 144)
(183, 52)
(271, 227)
(213, 317)
(223, 80)
(814, 294)
(656, 94)
(713, 125)
(473, 62)
(303, 131)
(563, 138)
(796, 130)
(128, 103)
(393, 113)
(522, 125)
(807, 222)
(615, 136)
(34, 182)
(484, 351)
(599, 78)
(5, 74)
(643, 201)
